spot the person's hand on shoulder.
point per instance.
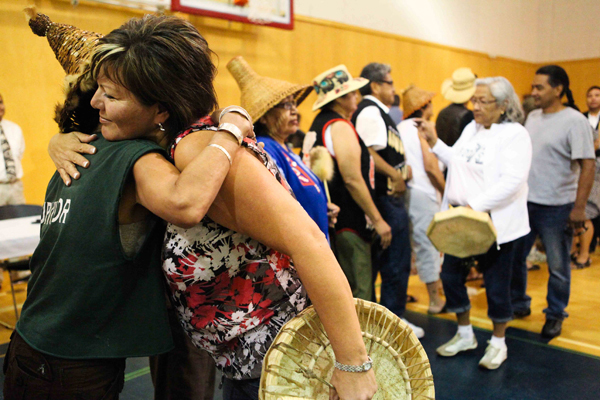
(66, 151)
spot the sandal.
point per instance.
(577, 265)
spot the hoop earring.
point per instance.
(161, 127)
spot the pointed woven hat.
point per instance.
(259, 93)
(71, 45)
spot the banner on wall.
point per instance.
(276, 13)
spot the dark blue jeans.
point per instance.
(394, 262)
(551, 224)
(497, 266)
(246, 389)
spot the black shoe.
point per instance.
(552, 328)
(522, 313)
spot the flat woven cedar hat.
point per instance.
(460, 88)
(72, 48)
(334, 83)
(462, 232)
(300, 362)
(259, 93)
(414, 98)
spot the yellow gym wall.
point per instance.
(31, 78)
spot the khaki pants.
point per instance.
(354, 256)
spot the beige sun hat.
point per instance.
(462, 232)
(300, 362)
(460, 88)
(334, 83)
(259, 93)
(414, 98)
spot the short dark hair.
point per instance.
(396, 100)
(592, 88)
(374, 72)
(162, 60)
(558, 76)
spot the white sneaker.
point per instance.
(418, 331)
(456, 345)
(494, 357)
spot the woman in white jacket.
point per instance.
(488, 169)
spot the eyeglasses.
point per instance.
(288, 105)
(475, 100)
(391, 83)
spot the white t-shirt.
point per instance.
(371, 127)
(14, 136)
(414, 157)
(466, 172)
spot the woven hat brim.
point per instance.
(354, 84)
(418, 106)
(456, 96)
(299, 92)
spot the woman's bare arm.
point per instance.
(251, 201)
(432, 167)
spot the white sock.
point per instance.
(465, 331)
(498, 342)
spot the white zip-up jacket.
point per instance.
(505, 174)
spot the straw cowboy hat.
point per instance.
(414, 98)
(460, 88)
(300, 362)
(334, 83)
(462, 232)
(260, 94)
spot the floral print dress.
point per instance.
(232, 293)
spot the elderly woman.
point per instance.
(487, 171)
(229, 268)
(353, 180)
(273, 105)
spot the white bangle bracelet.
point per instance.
(235, 109)
(223, 150)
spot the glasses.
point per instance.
(288, 105)
(475, 100)
(391, 83)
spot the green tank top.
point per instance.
(86, 298)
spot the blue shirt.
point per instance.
(307, 188)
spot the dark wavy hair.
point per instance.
(558, 76)
(162, 60)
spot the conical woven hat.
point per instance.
(300, 362)
(71, 45)
(414, 98)
(259, 93)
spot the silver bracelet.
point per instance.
(223, 150)
(233, 129)
(235, 109)
(355, 368)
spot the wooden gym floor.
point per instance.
(566, 367)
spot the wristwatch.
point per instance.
(234, 130)
(355, 368)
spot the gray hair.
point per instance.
(504, 93)
(374, 72)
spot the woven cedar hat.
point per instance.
(334, 83)
(414, 98)
(259, 93)
(460, 88)
(71, 45)
(300, 362)
(462, 232)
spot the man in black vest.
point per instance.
(378, 131)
